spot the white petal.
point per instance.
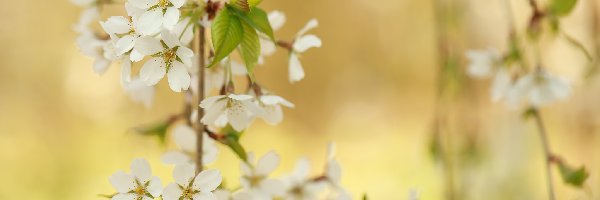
(210, 152)
(313, 23)
(141, 169)
(144, 4)
(148, 45)
(501, 85)
(172, 192)
(179, 78)
(276, 19)
(135, 56)
(177, 3)
(133, 10)
(152, 71)
(273, 114)
(170, 39)
(208, 180)
(306, 42)
(122, 182)
(334, 171)
(117, 25)
(185, 137)
(155, 187)
(140, 92)
(238, 115)
(267, 163)
(204, 196)
(125, 71)
(267, 47)
(238, 69)
(175, 157)
(171, 18)
(331, 150)
(183, 174)
(125, 44)
(213, 112)
(274, 100)
(209, 101)
(101, 65)
(150, 22)
(302, 168)
(185, 54)
(296, 72)
(272, 187)
(240, 97)
(128, 196)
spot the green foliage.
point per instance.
(561, 8)
(249, 47)
(227, 33)
(573, 176)
(232, 140)
(158, 129)
(242, 5)
(258, 19)
(530, 112)
(254, 3)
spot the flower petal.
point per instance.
(152, 71)
(185, 54)
(306, 42)
(175, 157)
(171, 18)
(185, 137)
(179, 78)
(150, 22)
(141, 169)
(172, 192)
(276, 19)
(127, 196)
(208, 180)
(204, 196)
(155, 187)
(116, 25)
(296, 73)
(213, 112)
(267, 163)
(144, 4)
(148, 45)
(177, 3)
(313, 23)
(122, 182)
(124, 44)
(183, 174)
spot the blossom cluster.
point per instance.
(513, 84)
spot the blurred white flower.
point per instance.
(100, 50)
(255, 177)
(185, 138)
(138, 91)
(158, 14)
(188, 187)
(228, 195)
(238, 110)
(84, 3)
(413, 195)
(123, 32)
(538, 89)
(267, 47)
(301, 44)
(272, 106)
(333, 172)
(483, 63)
(87, 17)
(501, 85)
(171, 60)
(140, 184)
(299, 186)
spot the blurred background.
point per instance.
(375, 88)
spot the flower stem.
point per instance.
(547, 153)
(201, 37)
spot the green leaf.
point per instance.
(572, 176)
(158, 129)
(254, 3)
(561, 8)
(236, 147)
(249, 48)
(227, 33)
(259, 20)
(242, 5)
(530, 112)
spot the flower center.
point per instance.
(188, 193)
(169, 56)
(255, 180)
(163, 4)
(140, 191)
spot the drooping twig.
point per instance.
(548, 156)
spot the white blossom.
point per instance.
(333, 172)
(267, 47)
(138, 91)
(483, 63)
(123, 31)
(185, 138)
(301, 44)
(158, 14)
(255, 177)
(165, 61)
(190, 187)
(538, 89)
(140, 184)
(102, 51)
(299, 186)
(272, 106)
(237, 110)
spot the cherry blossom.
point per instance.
(185, 138)
(237, 110)
(255, 177)
(140, 184)
(188, 186)
(158, 14)
(301, 44)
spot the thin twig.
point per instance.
(547, 153)
(201, 37)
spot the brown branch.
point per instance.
(201, 38)
(548, 156)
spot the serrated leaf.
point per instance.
(249, 48)
(562, 8)
(227, 33)
(259, 20)
(242, 5)
(575, 177)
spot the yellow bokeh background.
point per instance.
(371, 88)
